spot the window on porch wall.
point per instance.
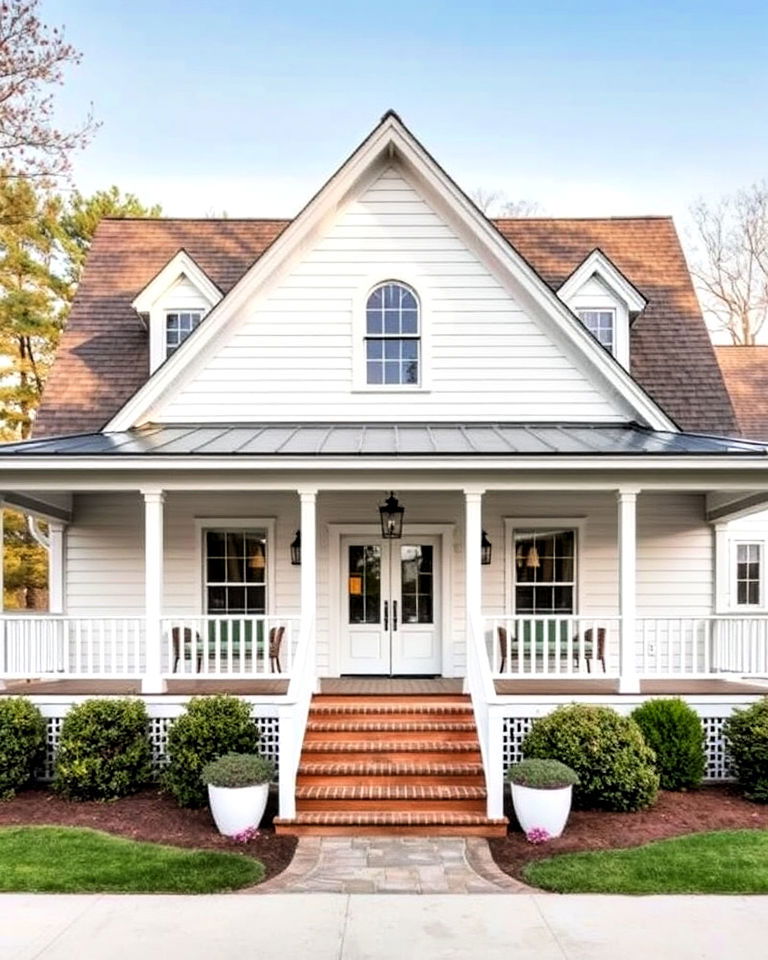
(748, 573)
(544, 572)
(235, 571)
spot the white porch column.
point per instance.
(2, 596)
(722, 569)
(308, 527)
(152, 681)
(55, 566)
(627, 504)
(473, 535)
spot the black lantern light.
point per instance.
(391, 514)
(296, 550)
(485, 550)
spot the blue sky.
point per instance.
(585, 107)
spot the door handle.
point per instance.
(394, 614)
(386, 615)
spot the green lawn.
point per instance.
(76, 860)
(725, 861)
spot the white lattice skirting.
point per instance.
(160, 718)
(712, 718)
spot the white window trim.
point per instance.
(733, 571)
(513, 524)
(620, 328)
(391, 273)
(235, 523)
(179, 310)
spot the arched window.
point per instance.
(392, 335)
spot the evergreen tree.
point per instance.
(25, 567)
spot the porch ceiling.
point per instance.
(383, 439)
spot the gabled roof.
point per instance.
(180, 265)
(392, 143)
(746, 375)
(103, 357)
(597, 264)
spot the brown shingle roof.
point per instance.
(745, 370)
(103, 357)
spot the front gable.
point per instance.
(288, 342)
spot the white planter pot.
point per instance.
(234, 809)
(546, 809)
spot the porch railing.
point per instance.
(76, 647)
(242, 646)
(294, 714)
(546, 646)
(488, 720)
(702, 646)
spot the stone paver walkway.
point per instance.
(392, 865)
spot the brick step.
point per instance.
(393, 792)
(389, 774)
(377, 729)
(395, 754)
(348, 805)
(390, 698)
(356, 708)
(361, 823)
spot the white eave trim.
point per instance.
(390, 140)
(181, 264)
(597, 264)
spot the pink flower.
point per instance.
(537, 835)
(245, 836)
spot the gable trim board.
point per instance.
(597, 264)
(391, 142)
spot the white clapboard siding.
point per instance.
(105, 560)
(292, 355)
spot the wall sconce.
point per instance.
(296, 550)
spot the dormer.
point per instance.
(605, 302)
(173, 304)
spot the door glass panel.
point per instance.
(364, 585)
(417, 583)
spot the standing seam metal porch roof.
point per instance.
(386, 439)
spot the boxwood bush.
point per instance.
(22, 741)
(746, 735)
(211, 727)
(675, 734)
(104, 750)
(607, 751)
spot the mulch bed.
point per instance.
(674, 814)
(152, 816)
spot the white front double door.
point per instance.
(390, 606)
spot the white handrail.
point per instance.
(483, 694)
(293, 716)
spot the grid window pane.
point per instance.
(545, 571)
(748, 563)
(234, 559)
(178, 326)
(417, 583)
(392, 336)
(601, 324)
(364, 586)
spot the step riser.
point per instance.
(387, 736)
(449, 699)
(392, 830)
(370, 718)
(437, 807)
(401, 780)
(393, 756)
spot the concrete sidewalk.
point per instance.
(342, 927)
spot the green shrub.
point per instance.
(104, 750)
(211, 727)
(238, 770)
(607, 751)
(22, 741)
(542, 774)
(675, 734)
(746, 734)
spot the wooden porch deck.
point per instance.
(393, 686)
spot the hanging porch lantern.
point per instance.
(296, 550)
(391, 514)
(486, 548)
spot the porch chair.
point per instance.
(502, 631)
(181, 639)
(588, 648)
(275, 642)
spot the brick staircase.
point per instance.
(391, 764)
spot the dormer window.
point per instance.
(178, 326)
(392, 336)
(602, 325)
